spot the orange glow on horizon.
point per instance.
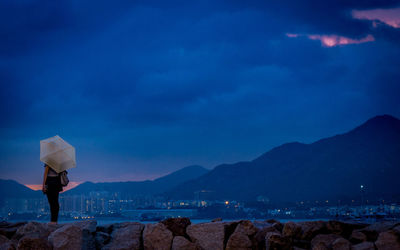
(71, 185)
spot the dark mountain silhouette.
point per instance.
(12, 189)
(142, 187)
(368, 155)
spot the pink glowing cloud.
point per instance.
(390, 17)
(334, 40)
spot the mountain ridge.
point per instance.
(296, 171)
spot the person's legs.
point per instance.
(52, 197)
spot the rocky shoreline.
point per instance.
(179, 233)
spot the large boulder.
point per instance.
(291, 230)
(126, 235)
(34, 230)
(343, 228)
(309, 229)
(9, 229)
(323, 241)
(275, 241)
(387, 241)
(261, 224)
(157, 237)
(180, 243)
(101, 239)
(372, 231)
(341, 244)
(108, 228)
(357, 237)
(33, 243)
(177, 225)
(66, 237)
(259, 237)
(396, 229)
(73, 236)
(366, 245)
(239, 241)
(242, 237)
(6, 244)
(33, 235)
(210, 235)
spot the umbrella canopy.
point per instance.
(57, 153)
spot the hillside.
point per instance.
(142, 187)
(334, 167)
(13, 189)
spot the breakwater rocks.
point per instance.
(179, 233)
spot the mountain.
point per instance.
(337, 166)
(159, 185)
(13, 189)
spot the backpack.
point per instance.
(64, 178)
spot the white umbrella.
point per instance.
(57, 153)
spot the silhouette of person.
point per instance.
(52, 187)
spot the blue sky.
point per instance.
(143, 88)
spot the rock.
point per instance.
(216, 219)
(101, 239)
(106, 228)
(357, 237)
(246, 227)
(259, 238)
(305, 244)
(180, 242)
(242, 236)
(364, 246)
(271, 221)
(372, 231)
(343, 228)
(396, 229)
(291, 230)
(33, 235)
(299, 248)
(387, 241)
(66, 237)
(88, 226)
(261, 224)
(309, 229)
(3, 239)
(177, 225)
(323, 241)
(239, 241)
(278, 226)
(126, 235)
(9, 229)
(32, 243)
(157, 237)
(76, 235)
(275, 241)
(6, 244)
(210, 235)
(33, 230)
(341, 244)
